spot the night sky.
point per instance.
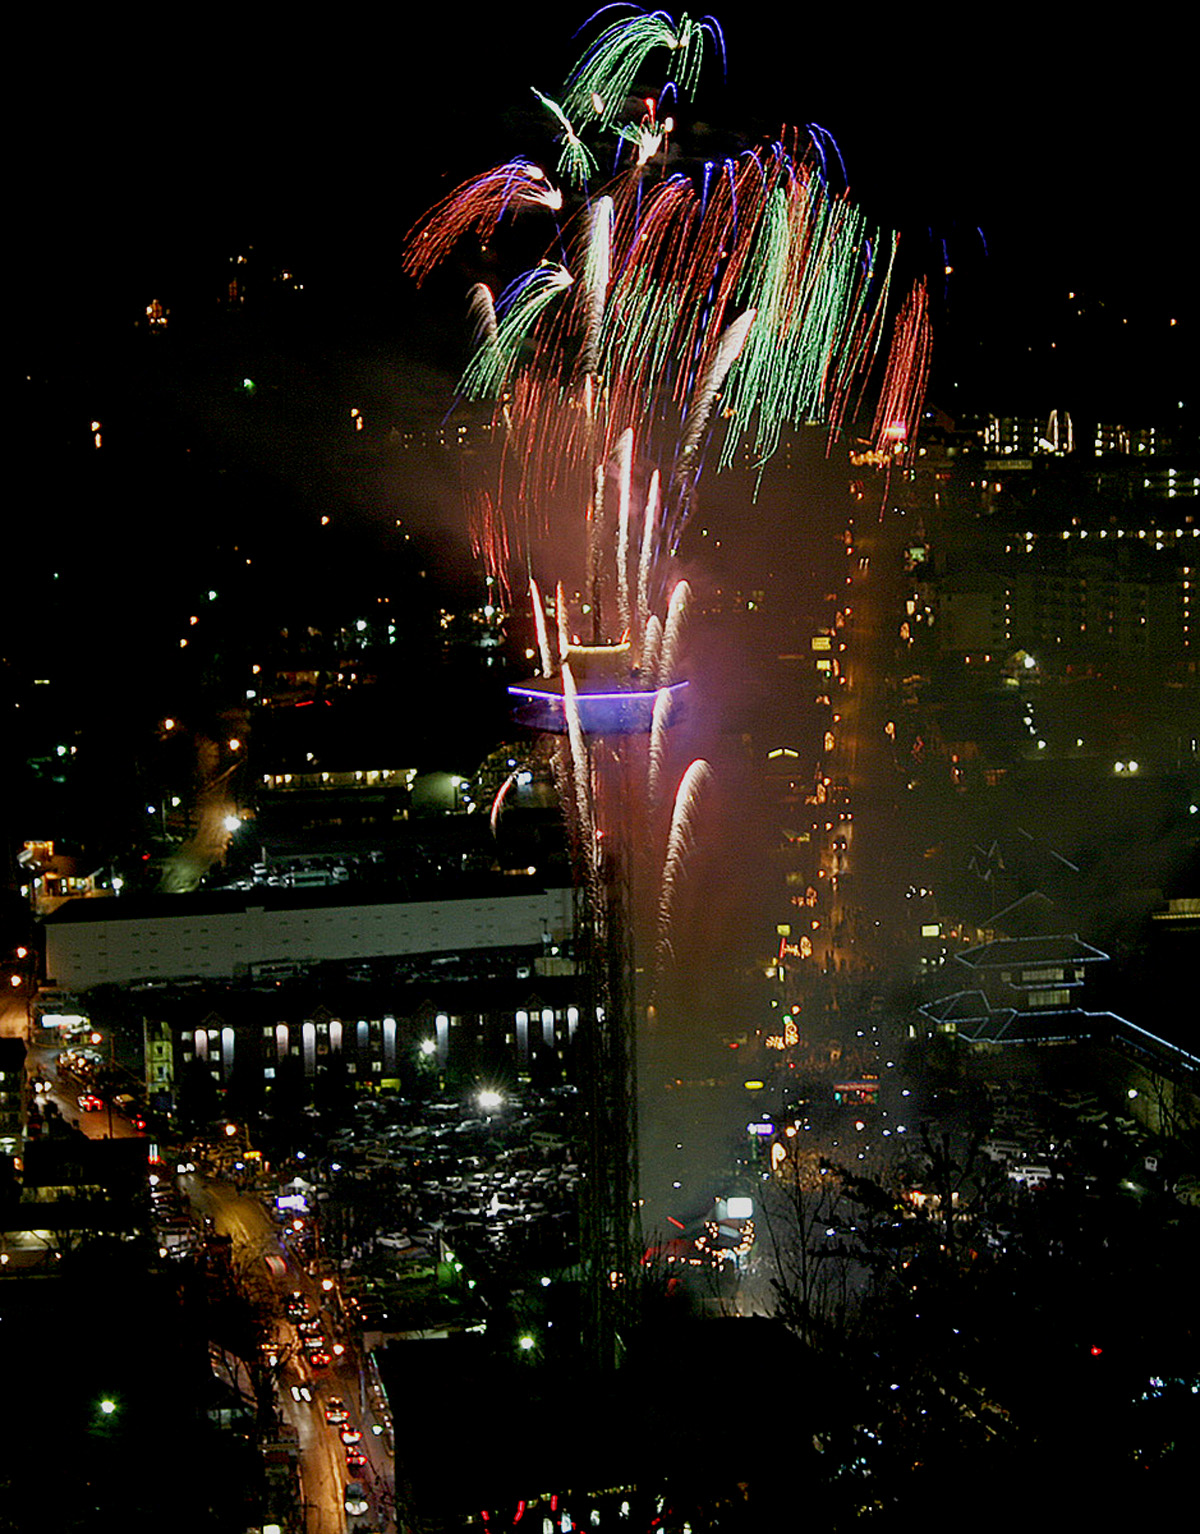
(149, 155)
(1036, 160)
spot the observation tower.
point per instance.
(601, 707)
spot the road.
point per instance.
(256, 1238)
(40, 1059)
(260, 1251)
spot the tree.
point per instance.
(248, 1318)
(964, 1183)
(803, 1210)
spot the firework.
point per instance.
(648, 137)
(678, 842)
(908, 367)
(507, 330)
(598, 271)
(624, 493)
(478, 204)
(668, 660)
(649, 530)
(602, 80)
(672, 322)
(498, 801)
(489, 543)
(652, 638)
(581, 767)
(539, 620)
(676, 321)
(560, 613)
(658, 741)
(575, 162)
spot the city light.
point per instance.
(689, 411)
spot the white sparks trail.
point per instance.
(548, 197)
(595, 529)
(726, 354)
(649, 526)
(483, 314)
(498, 801)
(564, 630)
(596, 276)
(539, 622)
(652, 647)
(658, 739)
(579, 762)
(679, 842)
(687, 466)
(672, 633)
(624, 457)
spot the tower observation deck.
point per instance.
(606, 705)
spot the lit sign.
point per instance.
(761, 1129)
(297, 1201)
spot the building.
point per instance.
(12, 1095)
(74, 1190)
(233, 936)
(1121, 596)
(1032, 973)
(258, 1042)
